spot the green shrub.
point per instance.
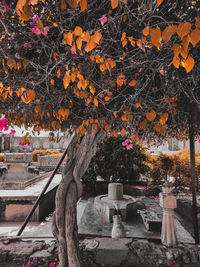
(114, 162)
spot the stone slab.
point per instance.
(111, 251)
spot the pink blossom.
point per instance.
(6, 127)
(52, 264)
(27, 45)
(125, 142)
(129, 146)
(103, 19)
(19, 144)
(12, 132)
(28, 263)
(35, 18)
(1, 126)
(46, 29)
(123, 148)
(5, 6)
(4, 120)
(199, 140)
(36, 30)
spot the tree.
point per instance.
(118, 161)
(96, 67)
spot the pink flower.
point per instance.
(5, 6)
(4, 120)
(129, 146)
(72, 51)
(35, 18)
(28, 263)
(19, 144)
(46, 29)
(27, 45)
(6, 127)
(12, 132)
(123, 148)
(52, 264)
(125, 142)
(36, 30)
(1, 126)
(103, 19)
(199, 140)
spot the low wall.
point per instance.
(16, 209)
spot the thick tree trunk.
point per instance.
(68, 193)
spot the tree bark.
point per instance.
(193, 178)
(69, 191)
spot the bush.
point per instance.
(117, 163)
(1, 157)
(42, 152)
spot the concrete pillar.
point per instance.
(168, 203)
(115, 191)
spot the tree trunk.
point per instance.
(68, 193)
(193, 178)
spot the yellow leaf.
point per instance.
(11, 63)
(146, 31)
(102, 67)
(159, 2)
(78, 31)
(195, 37)
(97, 37)
(167, 33)
(68, 38)
(155, 36)
(114, 4)
(79, 43)
(92, 89)
(189, 64)
(28, 96)
(183, 29)
(176, 62)
(66, 79)
(132, 83)
(151, 115)
(96, 102)
(83, 4)
(163, 118)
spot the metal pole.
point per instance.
(193, 177)
(43, 191)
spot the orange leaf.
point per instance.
(183, 29)
(95, 127)
(197, 22)
(55, 56)
(86, 37)
(143, 124)
(55, 24)
(28, 96)
(162, 71)
(11, 63)
(58, 73)
(176, 62)
(79, 43)
(167, 33)
(132, 83)
(159, 2)
(155, 36)
(124, 117)
(68, 38)
(102, 67)
(189, 64)
(146, 31)
(90, 45)
(151, 115)
(114, 4)
(78, 31)
(163, 118)
(124, 1)
(64, 113)
(40, 25)
(25, 63)
(195, 37)
(131, 41)
(115, 114)
(123, 131)
(52, 81)
(97, 37)
(107, 98)
(63, 4)
(124, 42)
(83, 4)
(138, 105)
(96, 102)
(177, 49)
(66, 79)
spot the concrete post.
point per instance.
(168, 203)
(115, 191)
